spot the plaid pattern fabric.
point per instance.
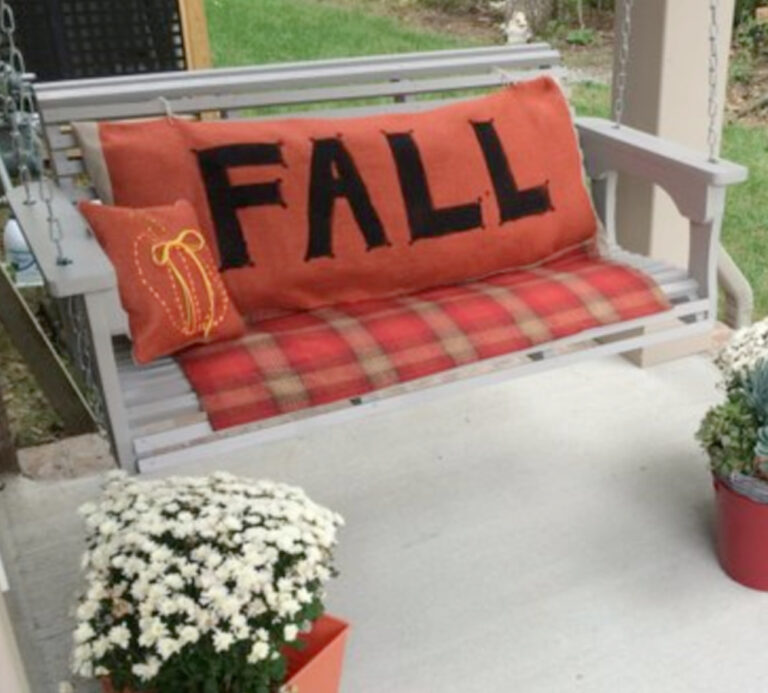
(306, 359)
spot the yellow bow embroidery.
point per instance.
(190, 243)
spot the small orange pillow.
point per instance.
(166, 276)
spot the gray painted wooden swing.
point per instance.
(152, 413)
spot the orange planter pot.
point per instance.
(742, 537)
(316, 668)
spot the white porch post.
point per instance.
(667, 95)
(12, 676)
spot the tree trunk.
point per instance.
(8, 461)
(538, 12)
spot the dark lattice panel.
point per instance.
(67, 39)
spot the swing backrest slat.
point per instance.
(341, 87)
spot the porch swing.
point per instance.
(153, 414)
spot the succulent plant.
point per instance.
(728, 434)
(754, 384)
(735, 432)
(761, 446)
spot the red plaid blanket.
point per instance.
(307, 359)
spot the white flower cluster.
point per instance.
(746, 347)
(211, 563)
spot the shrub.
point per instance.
(580, 37)
(745, 10)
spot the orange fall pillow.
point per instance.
(310, 212)
(166, 276)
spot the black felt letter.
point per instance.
(424, 219)
(225, 199)
(513, 203)
(334, 175)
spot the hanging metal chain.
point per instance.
(713, 135)
(621, 77)
(21, 119)
(21, 152)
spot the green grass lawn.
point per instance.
(745, 233)
(245, 32)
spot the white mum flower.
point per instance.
(174, 581)
(259, 652)
(108, 527)
(290, 633)
(152, 630)
(232, 523)
(167, 647)
(81, 661)
(222, 641)
(746, 347)
(100, 646)
(87, 610)
(229, 606)
(188, 570)
(120, 636)
(84, 632)
(288, 606)
(147, 670)
(189, 634)
(161, 555)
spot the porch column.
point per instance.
(667, 95)
(12, 676)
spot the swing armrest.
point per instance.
(685, 173)
(89, 269)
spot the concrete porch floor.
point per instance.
(550, 534)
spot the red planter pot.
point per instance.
(742, 537)
(316, 668)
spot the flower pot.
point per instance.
(317, 668)
(314, 669)
(742, 537)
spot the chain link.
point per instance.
(8, 30)
(713, 136)
(621, 77)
